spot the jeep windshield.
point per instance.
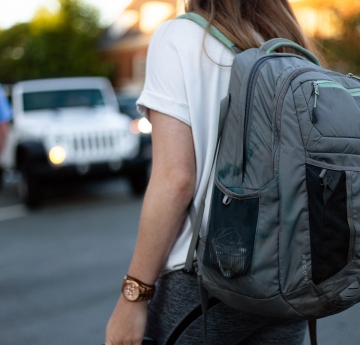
(60, 99)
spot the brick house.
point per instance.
(125, 42)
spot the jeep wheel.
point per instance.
(139, 180)
(29, 189)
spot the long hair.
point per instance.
(241, 20)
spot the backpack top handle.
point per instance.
(276, 43)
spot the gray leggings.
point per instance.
(177, 295)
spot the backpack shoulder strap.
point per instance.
(197, 18)
(196, 218)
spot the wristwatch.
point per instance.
(135, 290)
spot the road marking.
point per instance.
(13, 212)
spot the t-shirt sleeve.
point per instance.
(164, 90)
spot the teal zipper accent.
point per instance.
(334, 84)
(328, 84)
(355, 92)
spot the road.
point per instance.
(61, 267)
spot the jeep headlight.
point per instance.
(57, 155)
(141, 126)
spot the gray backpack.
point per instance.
(284, 229)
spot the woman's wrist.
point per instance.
(139, 274)
(140, 281)
(139, 305)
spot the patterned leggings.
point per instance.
(178, 295)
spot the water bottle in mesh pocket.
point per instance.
(228, 252)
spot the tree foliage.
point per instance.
(343, 51)
(53, 45)
(64, 44)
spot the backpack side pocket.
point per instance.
(331, 222)
(232, 226)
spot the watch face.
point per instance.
(131, 291)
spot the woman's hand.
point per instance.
(127, 323)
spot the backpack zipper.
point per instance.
(233, 195)
(249, 96)
(328, 84)
(334, 84)
(314, 115)
(285, 86)
(316, 84)
(350, 75)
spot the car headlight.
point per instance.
(141, 126)
(57, 155)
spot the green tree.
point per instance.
(343, 51)
(53, 45)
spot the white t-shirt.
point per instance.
(187, 82)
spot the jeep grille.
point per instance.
(97, 143)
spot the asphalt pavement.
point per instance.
(61, 266)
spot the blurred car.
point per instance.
(70, 128)
(127, 104)
(139, 125)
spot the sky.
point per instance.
(15, 11)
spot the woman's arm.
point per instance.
(166, 201)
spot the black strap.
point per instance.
(204, 297)
(148, 341)
(312, 331)
(188, 320)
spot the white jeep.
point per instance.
(70, 128)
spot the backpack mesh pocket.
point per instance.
(329, 227)
(231, 236)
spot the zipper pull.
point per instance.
(227, 200)
(321, 176)
(350, 75)
(314, 115)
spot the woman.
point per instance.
(187, 75)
